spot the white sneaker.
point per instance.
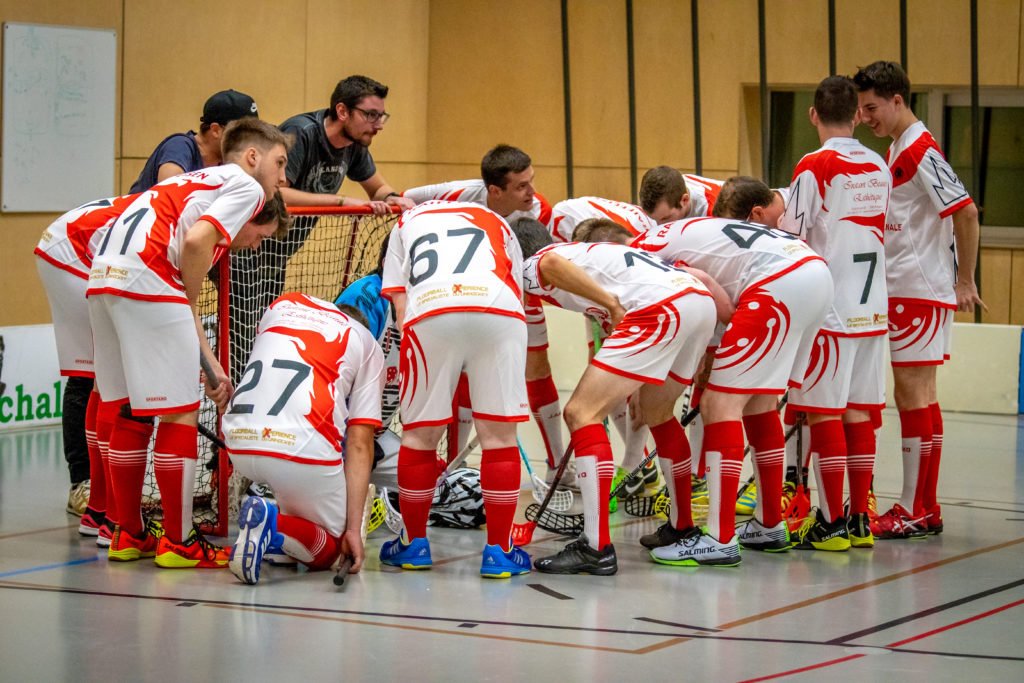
(568, 480)
(698, 548)
(78, 498)
(756, 536)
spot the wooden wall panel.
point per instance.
(1016, 287)
(791, 23)
(938, 43)
(996, 287)
(998, 41)
(866, 31)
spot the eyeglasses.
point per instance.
(374, 116)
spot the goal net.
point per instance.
(326, 250)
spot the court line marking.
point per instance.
(39, 531)
(48, 566)
(541, 588)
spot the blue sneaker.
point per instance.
(415, 555)
(497, 564)
(275, 555)
(257, 527)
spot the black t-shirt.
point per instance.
(314, 164)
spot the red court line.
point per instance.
(832, 662)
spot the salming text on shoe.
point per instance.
(91, 522)
(756, 536)
(666, 534)
(898, 523)
(497, 564)
(415, 555)
(817, 534)
(257, 526)
(698, 548)
(126, 548)
(933, 519)
(195, 552)
(78, 498)
(859, 527)
(747, 499)
(579, 558)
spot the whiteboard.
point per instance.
(58, 116)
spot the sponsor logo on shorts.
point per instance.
(155, 399)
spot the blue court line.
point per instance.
(49, 566)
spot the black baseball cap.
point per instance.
(228, 105)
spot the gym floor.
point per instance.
(948, 607)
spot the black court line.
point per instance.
(541, 588)
(460, 622)
(845, 640)
(673, 623)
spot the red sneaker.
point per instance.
(194, 552)
(126, 548)
(898, 523)
(91, 522)
(933, 519)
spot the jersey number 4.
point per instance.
(301, 371)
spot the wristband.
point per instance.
(391, 194)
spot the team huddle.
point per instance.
(736, 295)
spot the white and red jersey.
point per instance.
(569, 213)
(139, 256)
(454, 257)
(920, 263)
(703, 193)
(838, 201)
(638, 279)
(475, 192)
(312, 372)
(737, 254)
(69, 242)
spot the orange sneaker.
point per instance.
(194, 552)
(126, 548)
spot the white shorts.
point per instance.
(919, 333)
(767, 343)
(66, 292)
(490, 349)
(146, 351)
(660, 341)
(844, 372)
(315, 493)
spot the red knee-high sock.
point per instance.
(931, 485)
(500, 473)
(723, 458)
(860, 462)
(916, 435)
(828, 448)
(308, 543)
(595, 468)
(417, 477)
(674, 458)
(174, 464)
(98, 485)
(129, 443)
(768, 441)
(106, 413)
(544, 406)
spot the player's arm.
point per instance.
(398, 301)
(560, 272)
(378, 190)
(358, 463)
(196, 259)
(723, 304)
(966, 231)
(168, 170)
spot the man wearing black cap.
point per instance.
(191, 151)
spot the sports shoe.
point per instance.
(817, 534)
(633, 486)
(872, 506)
(898, 523)
(497, 564)
(195, 552)
(568, 480)
(414, 555)
(125, 548)
(933, 519)
(756, 536)
(106, 534)
(747, 499)
(78, 498)
(698, 490)
(257, 525)
(666, 534)
(650, 472)
(579, 558)
(275, 554)
(859, 526)
(91, 522)
(698, 548)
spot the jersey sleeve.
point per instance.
(803, 205)
(395, 275)
(936, 179)
(364, 397)
(531, 276)
(236, 206)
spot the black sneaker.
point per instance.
(666, 534)
(579, 558)
(817, 534)
(859, 528)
